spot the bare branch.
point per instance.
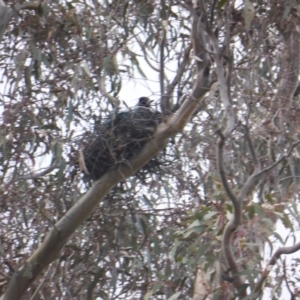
(165, 102)
(65, 227)
(39, 288)
(290, 67)
(233, 224)
(156, 69)
(251, 147)
(248, 185)
(35, 175)
(283, 250)
(222, 173)
(42, 173)
(223, 83)
(114, 101)
(179, 74)
(30, 6)
(286, 280)
(288, 177)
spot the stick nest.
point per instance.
(120, 138)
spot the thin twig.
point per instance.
(179, 74)
(101, 84)
(286, 280)
(35, 294)
(222, 172)
(164, 103)
(252, 179)
(251, 147)
(282, 250)
(35, 175)
(212, 12)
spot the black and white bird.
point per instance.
(119, 138)
(141, 110)
(144, 102)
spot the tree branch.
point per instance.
(282, 250)
(233, 224)
(165, 102)
(156, 69)
(250, 145)
(179, 74)
(49, 250)
(248, 185)
(101, 84)
(223, 83)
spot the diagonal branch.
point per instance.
(248, 185)
(179, 74)
(282, 250)
(50, 248)
(114, 101)
(64, 228)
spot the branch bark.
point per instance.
(177, 78)
(232, 225)
(287, 88)
(49, 250)
(237, 201)
(274, 258)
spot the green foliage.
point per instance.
(148, 237)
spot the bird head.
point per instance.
(145, 102)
